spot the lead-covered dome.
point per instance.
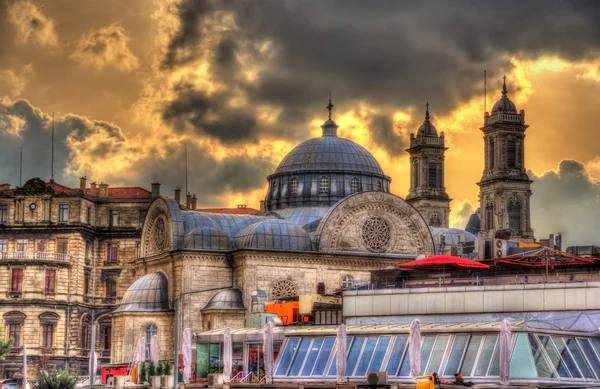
(148, 294)
(504, 105)
(321, 171)
(273, 234)
(427, 128)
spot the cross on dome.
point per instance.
(329, 106)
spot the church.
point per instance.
(328, 220)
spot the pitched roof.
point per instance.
(240, 210)
(133, 192)
(58, 188)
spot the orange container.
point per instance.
(287, 312)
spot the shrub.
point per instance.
(167, 368)
(151, 369)
(159, 369)
(56, 379)
(142, 373)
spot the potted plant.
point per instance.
(154, 380)
(142, 376)
(62, 379)
(168, 375)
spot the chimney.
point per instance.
(93, 189)
(155, 189)
(262, 206)
(188, 200)
(4, 187)
(194, 200)
(82, 183)
(178, 195)
(103, 190)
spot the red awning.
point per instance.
(443, 260)
(545, 256)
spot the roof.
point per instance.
(545, 256)
(58, 188)
(427, 129)
(228, 299)
(149, 293)
(240, 210)
(131, 192)
(273, 234)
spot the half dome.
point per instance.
(274, 234)
(228, 299)
(150, 293)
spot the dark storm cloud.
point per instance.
(380, 126)
(566, 201)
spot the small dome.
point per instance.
(207, 238)
(504, 105)
(148, 294)
(427, 129)
(228, 299)
(274, 234)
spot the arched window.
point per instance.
(511, 153)
(433, 174)
(324, 188)
(415, 174)
(151, 330)
(85, 333)
(489, 217)
(294, 185)
(347, 282)
(514, 214)
(354, 185)
(492, 152)
(378, 185)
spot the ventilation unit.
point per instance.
(214, 379)
(500, 248)
(377, 378)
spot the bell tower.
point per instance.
(427, 192)
(504, 188)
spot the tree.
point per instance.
(5, 346)
(151, 370)
(56, 379)
(159, 369)
(143, 377)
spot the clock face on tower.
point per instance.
(32, 206)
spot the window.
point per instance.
(106, 334)
(14, 331)
(433, 174)
(3, 213)
(3, 245)
(294, 185)
(22, 245)
(324, 187)
(492, 152)
(514, 214)
(111, 287)
(86, 283)
(138, 249)
(88, 215)
(87, 252)
(112, 252)
(141, 217)
(511, 153)
(415, 174)
(47, 335)
(63, 213)
(354, 185)
(151, 330)
(347, 282)
(113, 218)
(50, 283)
(378, 186)
(62, 246)
(16, 281)
(489, 218)
(41, 245)
(435, 220)
(85, 333)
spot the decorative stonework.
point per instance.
(282, 289)
(376, 234)
(342, 228)
(160, 237)
(156, 235)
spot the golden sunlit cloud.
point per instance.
(31, 24)
(106, 47)
(12, 82)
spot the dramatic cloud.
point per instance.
(31, 25)
(106, 47)
(12, 82)
(568, 201)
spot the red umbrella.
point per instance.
(443, 260)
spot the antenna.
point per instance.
(484, 93)
(186, 173)
(21, 169)
(52, 153)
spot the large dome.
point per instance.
(321, 171)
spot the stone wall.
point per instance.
(129, 327)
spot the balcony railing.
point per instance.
(34, 255)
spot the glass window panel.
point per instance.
(365, 358)
(456, 353)
(426, 351)
(471, 354)
(201, 360)
(405, 366)
(521, 362)
(566, 357)
(214, 354)
(437, 354)
(376, 362)
(397, 351)
(584, 367)
(354, 353)
(485, 355)
(541, 364)
(494, 369)
(299, 358)
(287, 355)
(557, 362)
(312, 356)
(323, 356)
(333, 368)
(588, 350)
(596, 343)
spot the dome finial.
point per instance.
(504, 91)
(329, 106)
(427, 112)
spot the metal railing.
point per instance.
(34, 255)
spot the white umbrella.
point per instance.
(505, 343)
(268, 352)
(154, 349)
(227, 356)
(141, 355)
(414, 344)
(24, 366)
(186, 348)
(340, 363)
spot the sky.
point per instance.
(242, 82)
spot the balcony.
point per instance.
(47, 350)
(34, 256)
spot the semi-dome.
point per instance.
(273, 234)
(504, 105)
(228, 299)
(427, 128)
(150, 293)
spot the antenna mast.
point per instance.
(186, 172)
(21, 169)
(52, 153)
(484, 94)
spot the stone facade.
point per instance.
(59, 251)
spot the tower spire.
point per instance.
(504, 91)
(427, 112)
(329, 106)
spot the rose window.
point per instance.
(283, 289)
(376, 234)
(160, 236)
